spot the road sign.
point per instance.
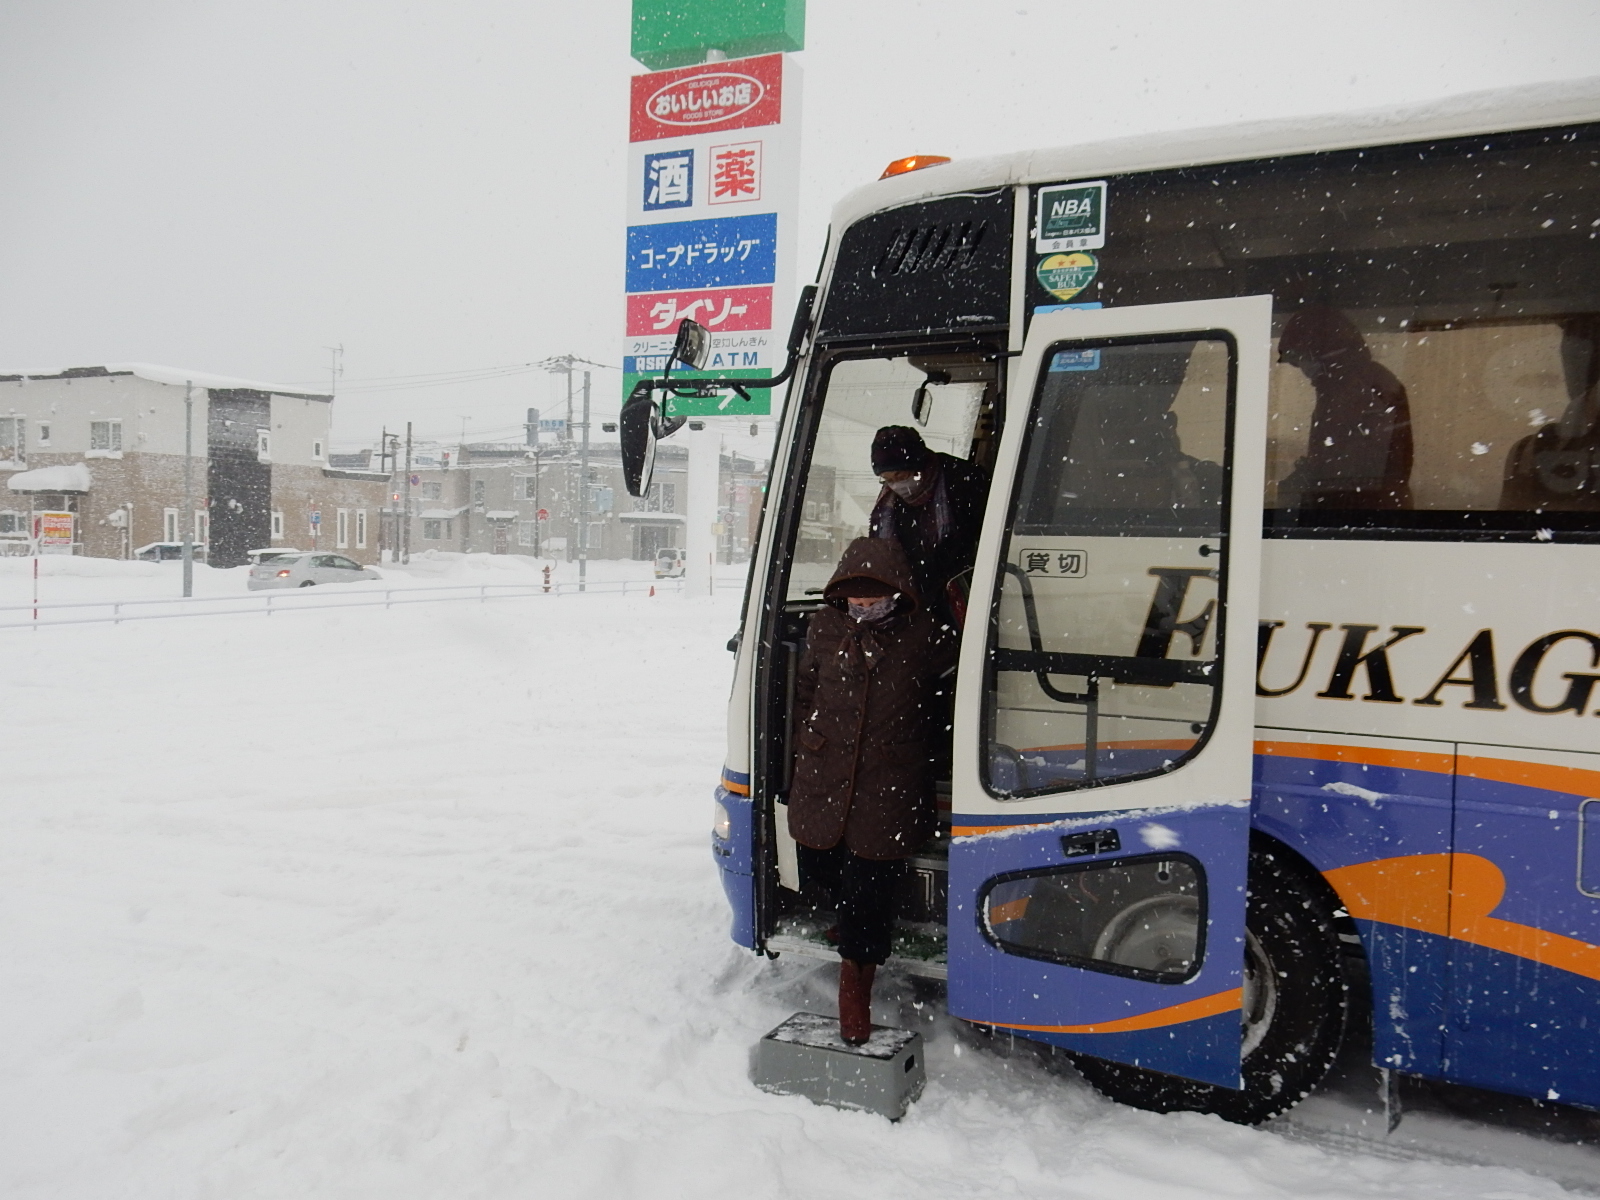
(54, 530)
(416, 479)
(543, 514)
(316, 516)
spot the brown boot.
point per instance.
(855, 1000)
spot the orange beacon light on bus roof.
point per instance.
(913, 162)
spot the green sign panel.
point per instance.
(676, 33)
(724, 404)
(1072, 218)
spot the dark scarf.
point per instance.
(884, 521)
(860, 647)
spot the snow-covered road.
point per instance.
(419, 904)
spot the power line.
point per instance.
(390, 383)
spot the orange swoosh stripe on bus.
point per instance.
(1572, 780)
(1156, 744)
(1452, 895)
(980, 830)
(1368, 756)
(738, 789)
(1569, 780)
(1190, 1010)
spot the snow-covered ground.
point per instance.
(419, 903)
(74, 580)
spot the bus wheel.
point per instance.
(1295, 1003)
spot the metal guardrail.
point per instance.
(301, 599)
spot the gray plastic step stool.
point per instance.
(806, 1057)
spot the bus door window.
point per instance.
(1109, 608)
(862, 395)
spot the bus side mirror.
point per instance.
(638, 436)
(640, 426)
(693, 346)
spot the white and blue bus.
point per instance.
(1282, 644)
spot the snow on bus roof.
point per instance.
(177, 376)
(1497, 111)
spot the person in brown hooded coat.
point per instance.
(869, 720)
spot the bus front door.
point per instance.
(1105, 702)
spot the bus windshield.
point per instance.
(941, 397)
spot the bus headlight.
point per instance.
(721, 822)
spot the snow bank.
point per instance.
(419, 903)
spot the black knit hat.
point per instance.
(898, 448)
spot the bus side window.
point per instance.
(1498, 414)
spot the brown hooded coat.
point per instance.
(868, 715)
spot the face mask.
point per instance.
(875, 611)
(907, 489)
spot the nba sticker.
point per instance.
(1071, 218)
(1065, 275)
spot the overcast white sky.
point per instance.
(233, 185)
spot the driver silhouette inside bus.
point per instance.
(1359, 452)
(932, 504)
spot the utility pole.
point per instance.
(566, 426)
(538, 462)
(583, 490)
(188, 488)
(565, 363)
(335, 367)
(383, 463)
(406, 492)
(390, 454)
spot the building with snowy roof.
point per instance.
(106, 444)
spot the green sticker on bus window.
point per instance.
(1065, 275)
(1071, 217)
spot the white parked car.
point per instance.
(307, 570)
(670, 562)
(266, 552)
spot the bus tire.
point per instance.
(1296, 1004)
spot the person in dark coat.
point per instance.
(932, 504)
(869, 717)
(1359, 453)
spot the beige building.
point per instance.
(490, 497)
(260, 471)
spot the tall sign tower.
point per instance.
(713, 189)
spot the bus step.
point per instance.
(806, 1057)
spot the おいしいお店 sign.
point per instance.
(1071, 217)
